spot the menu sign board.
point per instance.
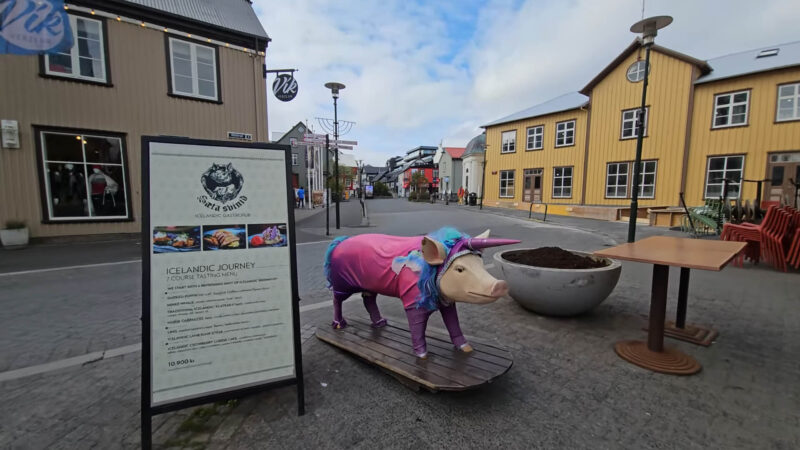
(220, 279)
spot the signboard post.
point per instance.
(219, 274)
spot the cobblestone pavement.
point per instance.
(567, 388)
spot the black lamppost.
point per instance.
(335, 88)
(649, 28)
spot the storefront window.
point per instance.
(83, 176)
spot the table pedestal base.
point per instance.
(670, 361)
(690, 333)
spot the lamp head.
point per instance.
(334, 87)
(649, 27)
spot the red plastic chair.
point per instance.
(750, 233)
(793, 255)
(772, 239)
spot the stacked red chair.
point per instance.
(750, 233)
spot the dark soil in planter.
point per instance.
(554, 258)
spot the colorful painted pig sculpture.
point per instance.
(426, 273)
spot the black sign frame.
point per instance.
(147, 409)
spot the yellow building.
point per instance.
(736, 117)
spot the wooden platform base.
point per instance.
(445, 369)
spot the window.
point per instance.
(83, 176)
(535, 138)
(565, 133)
(86, 59)
(506, 183)
(562, 182)
(294, 159)
(788, 102)
(617, 180)
(193, 70)
(509, 141)
(721, 168)
(630, 125)
(730, 110)
(435, 175)
(636, 71)
(647, 179)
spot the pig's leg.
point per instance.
(371, 303)
(338, 299)
(450, 318)
(417, 322)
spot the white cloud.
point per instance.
(420, 72)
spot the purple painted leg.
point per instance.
(338, 320)
(371, 303)
(417, 322)
(450, 318)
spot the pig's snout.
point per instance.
(499, 289)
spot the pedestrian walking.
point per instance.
(461, 195)
(301, 197)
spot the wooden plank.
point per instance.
(458, 365)
(681, 252)
(476, 359)
(412, 372)
(430, 365)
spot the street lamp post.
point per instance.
(335, 88)
(649, 28)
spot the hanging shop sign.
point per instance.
(219, 285)
(34, 26)
(284, 87)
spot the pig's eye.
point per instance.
(459, 269)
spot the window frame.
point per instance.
(125, 183)
(193, 43)
(616, 186)
(622, 137)
(725, 171)
(778, 97)
(294, 159)
(506, 188)
(44, 60)
(574, 128)
(563, 177)
(528, 137)
(512, 147)
(638, 71)
(731, 94)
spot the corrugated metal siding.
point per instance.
(670, 82)
(137, 105)
(547, 158)
(755, 141)
(237, 15)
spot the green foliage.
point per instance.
(419, 196)
(15, 225)
(418, 179)
(380, 190)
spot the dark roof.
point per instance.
(285, 135)
(566, 102)
(476, 145)
(748, 62)
(635, 45)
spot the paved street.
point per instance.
(70, 365)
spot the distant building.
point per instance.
(472, 164)
(448, 161)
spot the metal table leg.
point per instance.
(653, 355)
(679, 329)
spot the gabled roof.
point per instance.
(236, 15)
(286, 135)
(572, 100)
(455, 152)
(702, 65)
(748, 62)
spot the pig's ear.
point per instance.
(433, 251)
(483, 235)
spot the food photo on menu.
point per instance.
(224, 237)
(266, 235)
(176, 239)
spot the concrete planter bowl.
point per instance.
(559, 292)
(15, 238)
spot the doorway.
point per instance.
(532, 186)
(783, 170)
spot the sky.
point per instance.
(421, 72)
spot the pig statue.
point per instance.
(426, 272)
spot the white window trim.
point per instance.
(725, 171)
(730, 110)
(529, 135)
(641, 178)
(639, 72)
(617, 175)
(75, 54)
(294, 159)
(795, 97)
(123, 183)
(512, 143)
(574, 125)
(635, 129)
(513, 184)
(195, 80)
(562, 177)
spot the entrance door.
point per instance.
(783, 170)
(532, 186)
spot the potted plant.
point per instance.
(15, 234)
(557, 282)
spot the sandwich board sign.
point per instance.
(220, 316)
